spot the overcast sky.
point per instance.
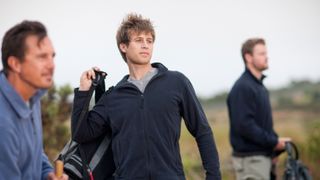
(200, 38)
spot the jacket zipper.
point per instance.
(146, 136)
(145, 121)
(146, 125)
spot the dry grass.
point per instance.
(292, 124)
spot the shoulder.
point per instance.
(243, 86)
(108, 93)
(170, 74)
(176, 76)
(110, 89)
(178, 80)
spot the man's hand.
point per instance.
(275, 160)
(86, 79)
(52, 176)
(282, 143)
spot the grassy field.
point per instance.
(294, 124)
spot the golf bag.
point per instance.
(295, 170)
(91, 160)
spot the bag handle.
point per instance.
(292, 150)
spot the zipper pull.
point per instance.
(142, 102)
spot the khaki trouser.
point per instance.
(252, 167)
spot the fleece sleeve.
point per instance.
(94, 123)
(197, 124)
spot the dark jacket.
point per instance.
(146, 127)
(251, 126)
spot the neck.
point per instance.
(256, 73)
(24, 89)
(137, 71)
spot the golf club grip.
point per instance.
(58, 168)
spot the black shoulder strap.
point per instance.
(98, 86)
(82, 116)
(84, 111)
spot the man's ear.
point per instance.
(123, 47)
(248, 58)
(14, 64)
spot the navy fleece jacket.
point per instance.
(146, 127)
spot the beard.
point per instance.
(261, 66)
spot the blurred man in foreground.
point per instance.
(28, 66)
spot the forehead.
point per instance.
(145, 34)
(32, 42)
(259, 48)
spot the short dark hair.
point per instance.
(248, 45)
(133, 23)
(13, 43)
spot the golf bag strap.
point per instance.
(84, 111)
(106, 140)
(100, 152)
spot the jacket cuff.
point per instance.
(78, 93)
(274, 143)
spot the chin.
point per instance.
(141, 62)
(262, 68)
(46, 85)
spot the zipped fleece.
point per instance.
(251, 124)
(146, 127)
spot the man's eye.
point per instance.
(42, 56)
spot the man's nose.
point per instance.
(144, 44)
(50, 63)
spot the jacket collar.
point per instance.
(161, 69)
(15, 100)
(260, 81)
